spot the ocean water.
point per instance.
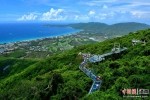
(14, 32)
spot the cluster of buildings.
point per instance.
(38, 48)
(7, 47)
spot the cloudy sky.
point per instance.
(106, 11)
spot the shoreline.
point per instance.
(41, 38)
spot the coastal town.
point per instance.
(41, 48)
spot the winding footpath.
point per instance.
(93, 59)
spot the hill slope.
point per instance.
(90, 26)
(59, 78)
(124, 28)
(102, 28)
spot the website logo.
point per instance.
(137, 93)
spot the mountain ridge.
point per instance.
(102, 28)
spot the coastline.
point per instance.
(45, 47)
(40, 38)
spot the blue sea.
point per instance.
(15, 32)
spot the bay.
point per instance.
(13, 32)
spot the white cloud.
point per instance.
(95, 2)
(103, 14)
(135, 2)
(91, 13)
(76, 17)
(140, 14)
(105, 7)
(81, 17)
(54, 15)
(102, 18)
(84, 17)
(27, 17)
(65, 15)
(112, 14)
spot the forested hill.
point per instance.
(59, 78)
(95, 26)
(115, 29)
(124, 28)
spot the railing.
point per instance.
(96, 84)
(95, 58)
(98, 58)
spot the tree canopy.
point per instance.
(59, 78)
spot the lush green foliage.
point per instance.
(102, 28)
(16, 54)
(89, 26)
(59, 78)
(124, 28)
(115, 29)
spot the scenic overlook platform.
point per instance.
(96, 58)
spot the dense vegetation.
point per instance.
(90, 26)
(102, 28)
(42, 48)
(124, 28)
(59, 78)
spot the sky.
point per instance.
(105, 11)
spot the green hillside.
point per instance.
(59, 78)
(124, 28)
(96, 26)
(102, 28)
(115, 29)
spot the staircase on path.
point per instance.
(96, 58)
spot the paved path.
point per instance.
(95, 58)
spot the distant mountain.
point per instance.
(115, 29)
(124, 28)
(90, 26)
